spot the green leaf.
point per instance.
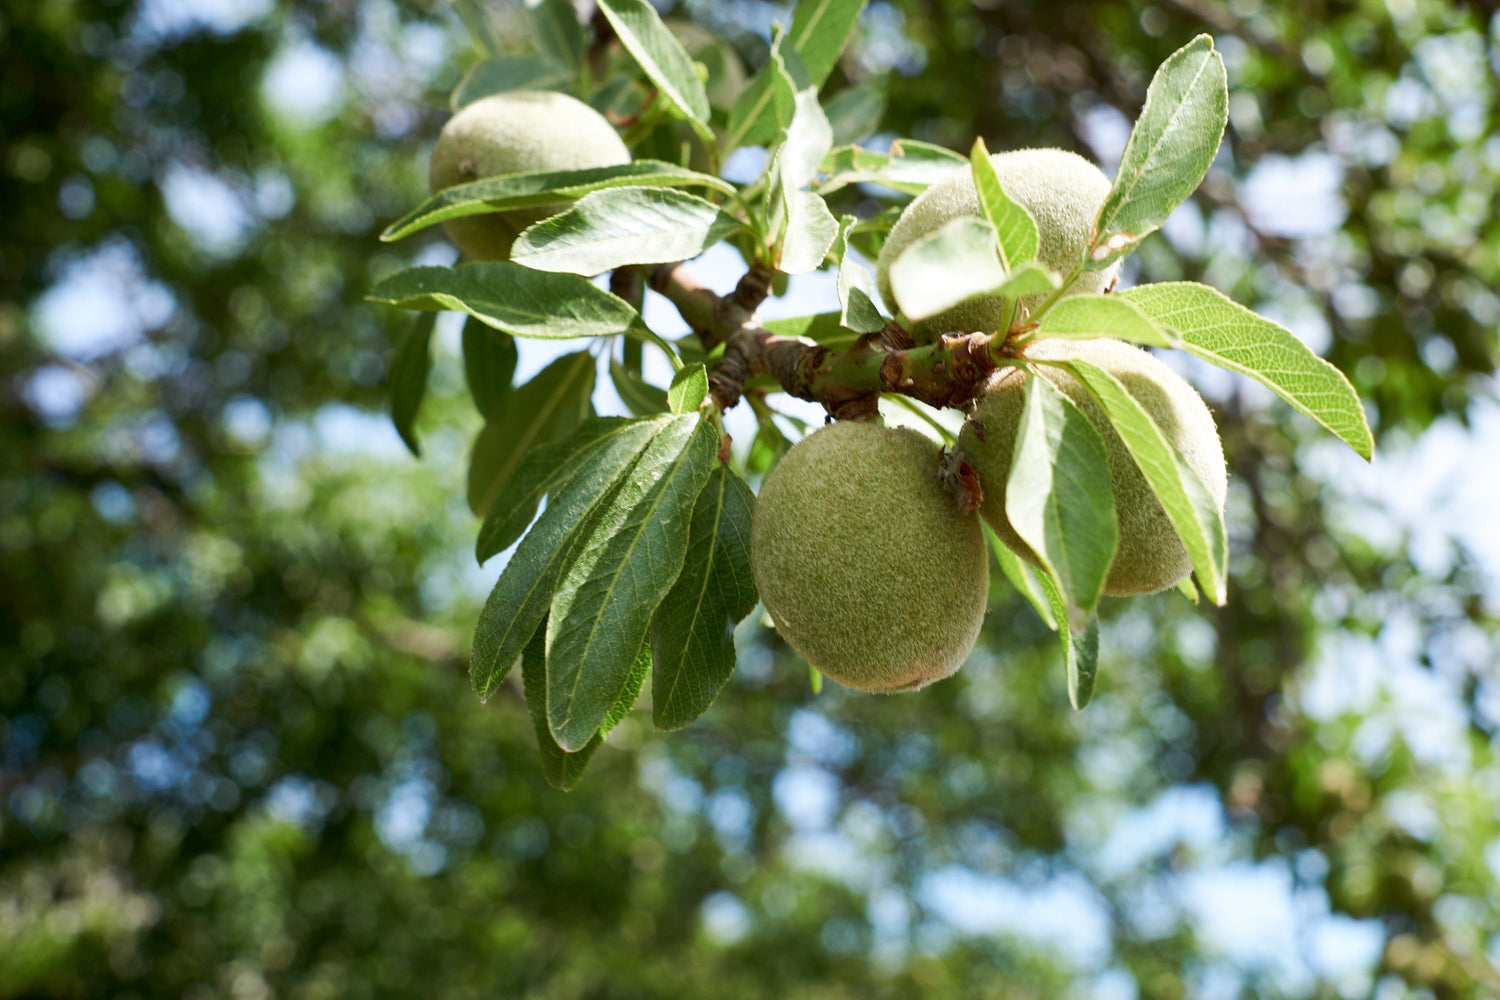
(1183, 496)
(1086, 317)
(505, 73)
(629, 556)
(1169, 150)
(561, 769)
(1016, 230)
(518, 603)
(661, 57)
(546, 468)
(548, 407)
(518, 300)
(820, 30)
(610, 229)
(764, 108)
(810, 233)
(558, 31)
(1219, 330)
(824, 328)
(689, 388)
(856, 286)
(855, 113)
(692, 631)
(1080, 646)
(489, 365)
(630, 693)
(943, 268)
(1058, 495)
(1022, 577)
(639, 396)
(409, 367)
(544, 187)
(910, 167)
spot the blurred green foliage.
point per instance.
(238, 753)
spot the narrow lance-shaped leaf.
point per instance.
(546, 468)
(661, 57)
(764, 108)
(558, 31)
(855, 113)
(1223, 332)
(1086, 317)
(519, 601)
(820, 30)
(561, 769)
(692, 631)
(689, 388)
(910, 167)
(409, 367)
(547, 407)
(610, 229)
(1058, 495)
(641, 397)
(1023, 578)
(811, 230)
(535, 188)
(1014, 227)
(506, 73)
(809, 137)
(518, 300)
(1169, 150)
(635, 681)
(629, 557)
(856, 286)
(1080, 645)
(489, 365)
(1182, 494)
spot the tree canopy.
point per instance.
(238, 750)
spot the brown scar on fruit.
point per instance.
(960, 479)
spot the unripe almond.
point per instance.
(864, 561)
(1150, 557)
(1062, 191)
(510, 133)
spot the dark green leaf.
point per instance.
(489, 365)
(1058, 495)
(689, 389)
(409, 367)
(546, 408)
(558, 31)
(546, 468)
(1014, 227)
(504, 73)
(518, 300)
(1183, 496)
(544, 187)
(561, 769)
(639, 396)
(610, 229)
(661, 57)
(629, 556)
(630, 693)
(692, 631)
(1170, 149)
(1223, 332)
(820, 29)
(518, 603)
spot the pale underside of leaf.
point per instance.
(613, 228)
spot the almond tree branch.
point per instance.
(847, 382)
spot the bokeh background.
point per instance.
(238, 752)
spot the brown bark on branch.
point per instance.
(847, 382)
